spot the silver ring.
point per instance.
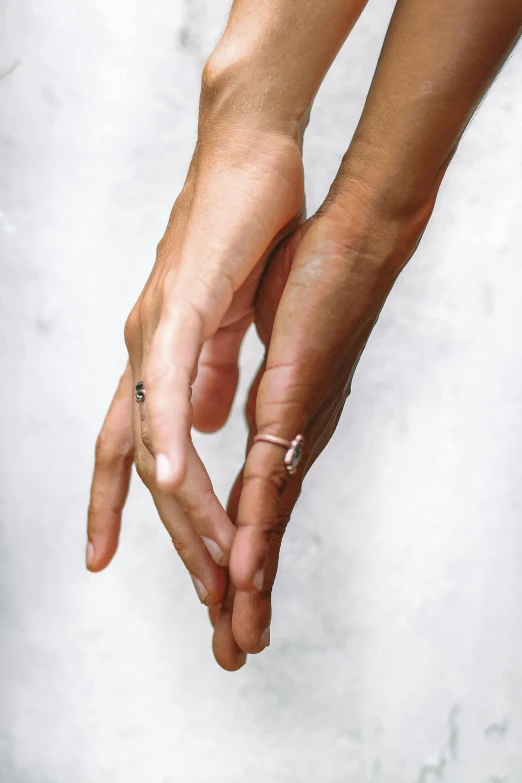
(140, 392)
(294, 449)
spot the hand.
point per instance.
(192, 514)
(317, 304)
(427, 85)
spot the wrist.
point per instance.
(395, 183)
(237, 91)
(372, 230)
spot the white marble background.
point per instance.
(397, 632)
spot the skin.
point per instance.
(436, 65)
(336, 271)
(244, 192)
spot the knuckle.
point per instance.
(104, 449)
(160, 371)
(148, 300)
(132, 329)
(98, 512)
(275, 478)
(280, 526)
(111, 451)
(168, 286)
(180, 546)
(162, 248)
(193, 505)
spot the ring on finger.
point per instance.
(140, 392)
(294, 449)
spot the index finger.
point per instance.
(167, 377)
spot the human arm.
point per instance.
(438, 61)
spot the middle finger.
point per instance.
(195, 494)
(209, 579)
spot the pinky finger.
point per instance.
(111, 479)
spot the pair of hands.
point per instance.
(236, 250)
(314, 290)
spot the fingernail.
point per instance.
(241, 658)
(201, 590)
(163, 469)
(259, 579)
(90, 555)
(214, 549)
(265, 637)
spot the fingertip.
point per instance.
(241, 660)
(226, 651)
(212, 398)
(213, 613)
(213, 600)
(90, 556)
(247, 572)
(219, 556)
(251, 622)
(98, 556)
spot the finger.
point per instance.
(110, 485)
(213, 265)
(203, 510)
(251, 620)
(167, 376)
(213, 613)
(269, 491)
(210, 581)
(226, 651)
(218, 374)
(251, 613)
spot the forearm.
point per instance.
(438, 61)
(272, 58)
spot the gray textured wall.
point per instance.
(397, 635)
